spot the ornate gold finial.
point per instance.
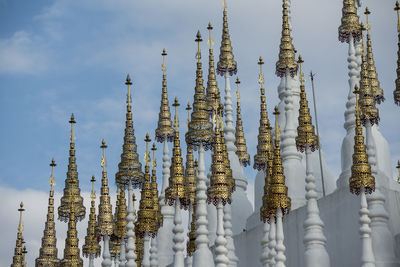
(48, 251)
(139, 245)
(265, 143)
(176, 121)
(305, 131)
(190, 177)
(278, 192)
(191, 244)
(71, 249)
(19, 257)
(164, 129)
(129, 168)
(396, 92)
(226, 61)
(360, 170)
(92, 246)
(398, 167)
(369, 111)
(228, 170)
(120, 222)
(157, 208)
(200, 130)
(240, 140)
(350, 22)
(72, 191)
(286, 62)
(188, 108)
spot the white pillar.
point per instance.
(367, 254)
(146, 250)
(107, 262)
(91, 260)
(122, 255)
(153, 253)
(202, 256)
(272, 242)
(264, 244)
(188, 259)
(233, 259)
(280, 258)
(314, 238)
(221, 252)
(178, 239)
(130, 227)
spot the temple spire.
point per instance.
(240, 140)
(71, 190)
(191, 245)
(48, 251)
(350, 22)
(19, 256)
(154, 187)
(396, 92)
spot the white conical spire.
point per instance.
(122, 255)
(153, 253)
(367, 258)
(130, 246)
(107, 262)
(280, 258)
(272, 242)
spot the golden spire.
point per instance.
(367, 101)
(139, 245)
(278, 192)
(286, 61)
(92, 246)
(373, 75)
(19, 257)
(396, 92)
(72, 192)
(264, 130)
(360, 170)
(226, 61)
(120, 225)
(190, 177)
(176, 187)
(191, 244)
(146, 213)
(212, 91)
(130, 168)
(48, 251)
(398, 167)
(154, 187)
(264, 212)
(350, 22)
(200, 128)
(228, 170)
(71, 251)
(240, 140)
(105, 217)
(305, 131)
(164, 129)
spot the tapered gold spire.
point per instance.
(119, 226)
(286, 61)
(146, 214)
(264, 212)
(396, 92)
(367, 101)
(191, 244)
(176, 188)
(373, 75)
(154, 187)
(212, 90)
(19, 256)
(200, 128)
(264, 130)
(226, 61)
(164, 129)
(305, 131)
(72, 192)
(92, 246)
(240, 140)
(190, 177)
(360, 170)
(139, 245)
(278, 194)
(130, 168)
(105, 217)
(350, 22)
(48, 251)
(228, 170)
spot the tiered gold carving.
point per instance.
(191, 244)
(156, 202)
(226, 61)
(19, 255)
(350, 22)
(240, 140)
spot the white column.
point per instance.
(264, 244)
(188, 259)
(122, 255)
(130, 227)
(233, 259)
(164, 236)
(91, 260)
(107, 262)
(221, 252)
(178, 239)
(146, 250)
(367, 254)
(272, 242)
(314, 238)
(202, 256)
(153, 253)
(280, 258)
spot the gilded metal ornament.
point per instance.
(350, 22)
(191, 244)
(154, 187)
(398, 168)
(396, 92)
(226, 61)
(190, 177)
(19, 255)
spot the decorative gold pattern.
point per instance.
(360, 170)
(287, 51)
(154, 187)
(139, 245)
(119, 227)
(398, 167)
(200, 128)
(305, 131)
(19, 255)
(72, 192)
(264, 212)
(240, 140)
(350, 22)
(130, 168)
(396, 92)
(264, 130)
(48, 251)
(190, 177)
(164, 129)
(191, 244)
(92, 239)
(226, 61)
(228, 170)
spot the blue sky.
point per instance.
(61, 56)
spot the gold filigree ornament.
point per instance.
(350, 22)
(19, 256)
(157, 208)
(396, 92)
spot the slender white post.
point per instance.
(265, 243)
(178, 239)
(189, 259)
(91, 260)
(122, 255)
(107, 262)
(130, 227)
(272, 242)
(314, 238)
(280, 258)
(153, 253)
(116, 261)
(146, 250)
(202, 256)
(367, 254)
(221, 252)
(233, 259)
